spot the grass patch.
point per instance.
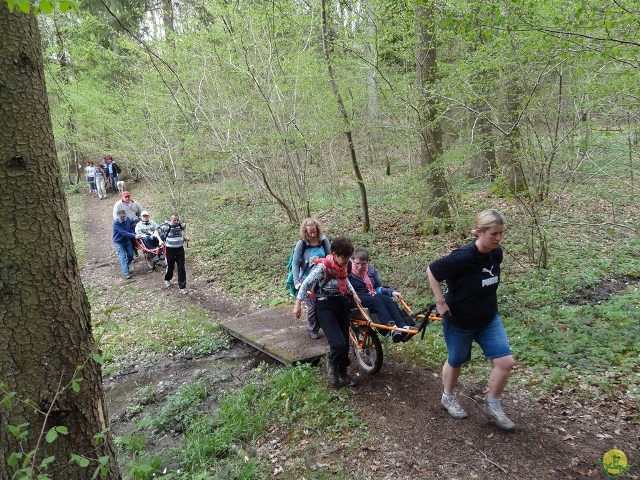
(227, 441)
(154, 329)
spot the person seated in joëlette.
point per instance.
(376, 297)
(146, 227)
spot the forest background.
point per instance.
(280, 110)
(248, 116)
(393, 123)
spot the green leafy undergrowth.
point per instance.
(583, 344)
(226, 434)
(155, 328)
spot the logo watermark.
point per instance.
(615, 463)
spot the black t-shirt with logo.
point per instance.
(472, 280)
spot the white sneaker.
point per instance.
(183, 291)
(451, 405)
(167, 283)
(495, 413)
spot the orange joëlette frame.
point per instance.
(366, 319)
(156, 251)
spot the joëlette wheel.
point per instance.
(369, 357)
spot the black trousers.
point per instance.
(333, 315)
(176, 256)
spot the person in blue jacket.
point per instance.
(380, 300)
(122, 240)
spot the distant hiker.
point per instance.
(334, 295)
(90, 174)
(374, 296)
(172, 234)
(470, 313)
(312, 244)
(123, 237)
(100, 177)
(113, 170)
(145, 229)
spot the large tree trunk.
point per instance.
(430, 129)
(44, 312)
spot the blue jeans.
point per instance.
(492, 339)
(113, 179)
(125, 253)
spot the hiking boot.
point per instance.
(332, 375)
(345, 379)
(315, 335)
(451, 405)
(495, 414)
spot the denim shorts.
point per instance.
(492, 339)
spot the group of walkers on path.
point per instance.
(102, 176)
(131, 223)
(332, 278)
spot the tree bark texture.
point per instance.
(430, 129)
(44, 312)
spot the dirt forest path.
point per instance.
(409, 435)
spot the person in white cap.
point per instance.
(146, 227)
